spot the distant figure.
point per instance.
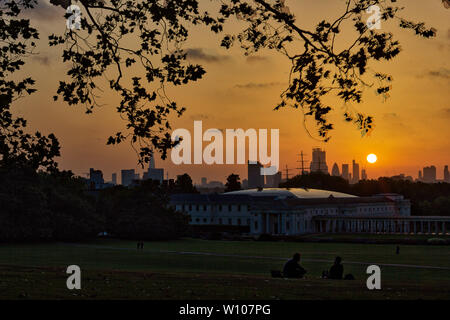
(397, 251)
(140, 245)
(337, 269)
(292, 269)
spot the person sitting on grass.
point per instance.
(336, 270)
(292, 269)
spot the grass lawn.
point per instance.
(200, 269)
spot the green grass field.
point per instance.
(200, 269)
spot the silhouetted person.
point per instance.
(337, 269)
(292, 269)
(397, 251)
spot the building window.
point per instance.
(287, 226)
(220, 207)
(198, 208)
(256, 225)
(204, 208)
(239, 207)
(230, 221)
(204, 220)
(230, 207)
(197, 220)
(190, 207)
(220, 220)
(239, 222)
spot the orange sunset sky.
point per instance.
(412, 126)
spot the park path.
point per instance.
(214, 254)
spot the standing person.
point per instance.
(336, 270)
(292, 268)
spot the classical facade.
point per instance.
(298, 211)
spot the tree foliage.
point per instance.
(44, 206)
(118, 36)
(18, 148)
(140, 213)
(233, 183)
(320, 69)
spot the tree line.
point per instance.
(57, 205)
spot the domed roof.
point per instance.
(300, 193)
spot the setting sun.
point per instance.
(372, 158)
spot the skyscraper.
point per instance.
(255, 179)
(114, 178)
(345, 172)
(95, 179)
(274, 180)
(153, 173)
(127, 177)
(318, 163)
(363, 174)
(355, 170)
(335, 170)
(429, 174)
(446, 175)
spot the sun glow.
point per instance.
(372, 158)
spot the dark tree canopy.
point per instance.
(233, 183)
(138, 46)
(184, 184)
(18, 148)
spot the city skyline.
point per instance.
(431, 173)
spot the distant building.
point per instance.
(335, 171)
(114, 178)
(96, 180)
(273, 181)
(155, 174)
(318, 163)
(345, 172)
(355, 170)
(446, 175)
(215, 184)
(127, 177)
(363, 174)
(255, 179)
(245, 184)
(420, 175)
(429, 174)
(296, 211)
(402, 177)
